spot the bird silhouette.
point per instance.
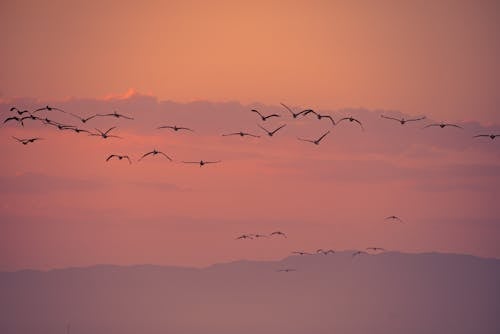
(394, 218)
(278, 233)
(264, 118)
(301, 253)
(105, 134)
(19, 112)
(201, 162)
(155, 152)
(325, 252)
(402, 120)
(120, 157)
(319, 116)
(287, 270)
(442, 125)
(49, 108)
(351, 119)
(116, 115)
(492, 136)
(259, 236)
(271, 133)
(175, 128)
(242, 134)
(375, 249)
(84, 119)
(358, 253)
(27, 141)
(244, 236)
(294, 115)
(316, 141)
(14, 118)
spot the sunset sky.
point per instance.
(205, 65)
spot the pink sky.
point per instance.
(205, 67)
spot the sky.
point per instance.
(205, 66)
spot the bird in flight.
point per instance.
(19, 112)
(259, 236)
(27, 141)
(375, 249)
(104, 134)
(351, 119)
(242, 134)
(244, 236)
(116, 115)
(201, 162)
(271, 133)
(395, 218)
(84, 119)
(316, 141)
(77, 130)
(492, 136)
(301, 253)
(49, 108)
(442, 125)
(294, 115)
(402, 120)
(154, 152)
(287, 270)
(264, 118)
(319, 116)
(15, 118)
(175, 128)
(278, 233)
(325, 252)
(120, 157)
(358, 253)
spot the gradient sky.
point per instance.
(205, 66)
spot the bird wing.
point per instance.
(145, 155)
(127, 157)
(276, 130)
(454, 125)
(308, 140)
(211, 162)
(342, 119)
(263, 128)
(415, 119)
(166, 156)
(287, 108)
(481, 136)
(114, 127)
(191, 162)
(111, 156)
(308, 111)
(388, 117)
(249, 134)
(429, 125)
(126, 117)
(254, 110)
(19, 140)
(59, 110)
(355, 120)
(231, 134)
(39, 109)
(323, 136)
(165, 127)
(272, 115)
(328, 116)
(188, 129)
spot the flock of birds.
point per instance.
(37, 115)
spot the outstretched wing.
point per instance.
(254, 110)
(111, 156)
(276, 130)
(287, 108)
(166, 156)
(323, 136)
(388, 117)
(415, 119)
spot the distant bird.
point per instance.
(84, 119)
(27, 141)
(259, 236)
(325, 252)
(490, 136)
(264, 118)
(154, 152)
(301, 253)
(294, 115)
(287, 270)
(77, 130)
(278, 233)
(242, 134)
(244, 236)
(375, 249)
(201, 162)
(175, 128)
(117, 115)
(358, 253)
(120, 157)
(104, 134)
(319, 116)
(48, 108)
(351, 119)
(316, 141)
(442, 125)
(394, 218)
(271, 133)
(402, 120)
(14, 118)
(19, 112)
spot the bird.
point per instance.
(402, 120)
(319, 116)
(278, 233)
(316, 142)
(301, 253)
(287, 270)
(201, 162)
(242, 134)
(104, 134)
(14, 118)
(492, 136)
(117, 115)
(264, 118)
(244, 236)
(77, 130)
(442, 125)
(120, 157)
(294, 115)
(48, 108)
(325, 252)
(351, 119)
(259, 236)
(358, 253)
(271, 133)
(84, 119)
(155, 152)
(175, 128)
(394, 218)
(19, 112)
(27, 141)
(375, 249)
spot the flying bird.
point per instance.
(14, 118)
(351, 119)
(19, 112)
(442, 125)
(394, 218)
(154, 152)
(175, 128)
(120, 157)
(117, 115)
(294, 115)
(402, 120)
(201, 162)
(358, 253)
(104, 134)
(287, 270)
(244, 236)
(375, 249)
(259, 236)
(84, 119)
(492, 136)
(316, 141)
(301, 253)
(325, 252)
(49, 108)
(27, 141)
(264, 118)
(242, 134)
(319, 116)
(278, 233)
(271, 133)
